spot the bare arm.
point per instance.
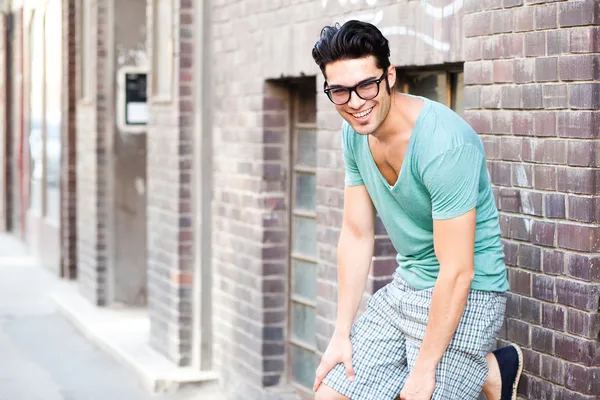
(454, 241)
(355, 251)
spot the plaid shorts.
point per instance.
(387, 337)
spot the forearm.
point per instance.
(448, 302)
(354, 261)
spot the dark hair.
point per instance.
(354, 39)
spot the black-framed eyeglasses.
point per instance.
(367, 90)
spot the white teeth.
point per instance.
(362, 114)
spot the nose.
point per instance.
(355, 101)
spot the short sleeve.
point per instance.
(452, 180)
(352, 174)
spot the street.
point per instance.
(43, 356)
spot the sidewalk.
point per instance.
(44, 356)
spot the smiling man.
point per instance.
(427, 334)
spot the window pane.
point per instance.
(305, 279)
(457, 93)
(307, 148)
(306, 187)
(430, 85)
(305, 236)
(304, 366)
(53, 108)
(304, 323)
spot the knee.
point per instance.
(324, 392)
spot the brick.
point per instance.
(583, 324)
(511, 253)
(488, 47)
(510, 148)
(531, 310)
(578, 124)
(545, 124)
(577, 13)
(524, 19)
(500, 173)
(543, 287)
(522, 175)
(535, 44)
(472, 49)
(478, 72)
(583, 67)
(543, 233)
(555, 96)
(584, 209)
(491, 145)
(480, 121)
(584, 267)
(585, 40)
(583, 153)
(519, 228)
(531, 361)
(585, 96)
(520, 281)
(553, 262)
(523, 124)
(472, 96)
(557, 42)
(513, 305)
(510, 46)
(582, 380)
(518, 331)
(544, 177)
(524, 70)
(576, 349)
(583, 296)
(502, 122)
(577, 180)
(545, 151)
(532, 97)
(530, 257)
(542, 339)
(512, 3)
(546, 69)
(509, 200)
(478, 24)
(502, 21)
(540, 389)
(504, 71)
(555, 205)
(578, 237)
(546, 17)
(553, 316)
(511, 97)
(552, 369)
(490, 96)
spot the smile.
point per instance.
(363, 114)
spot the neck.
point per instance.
(397, 122)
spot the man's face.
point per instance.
(365, 116)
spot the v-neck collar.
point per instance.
(408, 153)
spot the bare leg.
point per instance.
(324, 392)
(492, 388)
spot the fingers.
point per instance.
(349, 369)
(323, 370)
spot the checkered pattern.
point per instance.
(387, 337)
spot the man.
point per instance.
(428, 333)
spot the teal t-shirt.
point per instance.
(443, 175)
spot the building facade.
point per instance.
(201, 172)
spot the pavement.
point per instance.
(44, 356)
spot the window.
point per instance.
(86, 45)
(445, 87)
(162, 49)
(303, 258)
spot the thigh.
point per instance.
(462, 371)
(378, 354)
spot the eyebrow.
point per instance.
(361, 82)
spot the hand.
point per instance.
(419, 385)
(338, 351)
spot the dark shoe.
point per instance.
(510, 361)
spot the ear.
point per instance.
(392, 75)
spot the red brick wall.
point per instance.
(170, 230)
(531, 72)
(92, 174)
(68, 177)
